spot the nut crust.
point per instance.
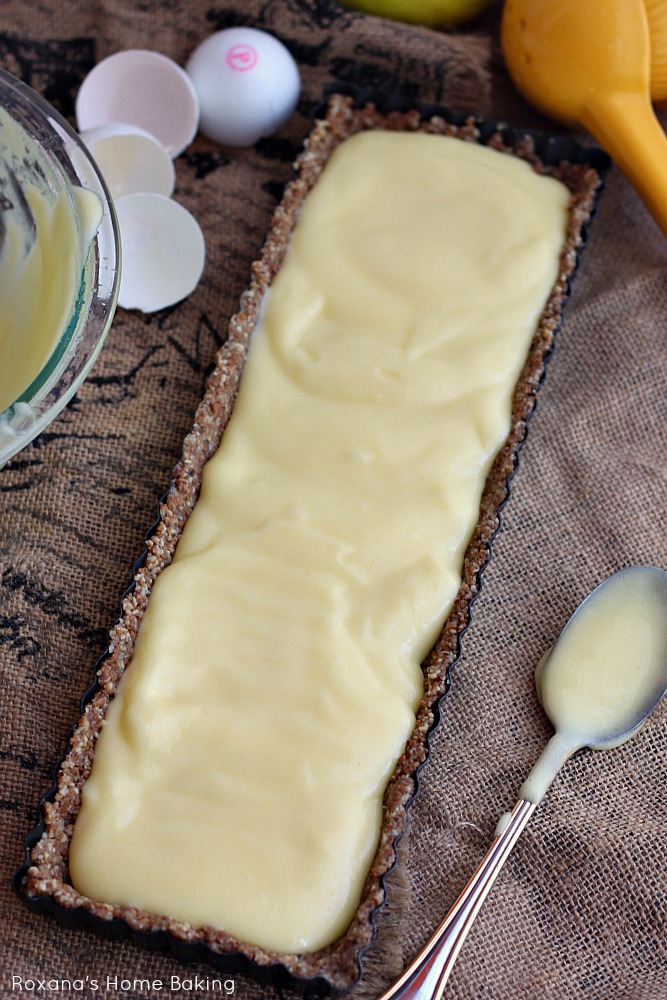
(338, 965)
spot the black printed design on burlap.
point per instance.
(48, 602)
(371, 62)
(13, 637)
(54, 68)
(391, 71)
(204, 162)
(321, 13)
(307, 14)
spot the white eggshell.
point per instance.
(163, 252)
(247, 82)
(130, 159)
(142, 88)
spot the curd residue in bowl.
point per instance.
(46, 233)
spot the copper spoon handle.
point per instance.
(427, 974)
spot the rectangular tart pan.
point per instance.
(42, 880)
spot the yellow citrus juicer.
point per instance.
(588, 62)
(656, 11)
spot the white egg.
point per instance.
(130, 159)
(142, 88)
(163, 252)
(247, 83)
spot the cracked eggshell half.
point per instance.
(143, 88)
(163, 251)
(130, 159)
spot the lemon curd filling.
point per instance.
(239, 776)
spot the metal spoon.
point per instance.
(630, 605)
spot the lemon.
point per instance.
(431, 12)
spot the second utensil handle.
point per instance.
(427, 974)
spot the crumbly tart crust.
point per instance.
(42, 882)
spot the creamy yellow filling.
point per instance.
(238, 779)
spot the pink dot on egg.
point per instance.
(241, 58)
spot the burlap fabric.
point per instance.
(580, 909)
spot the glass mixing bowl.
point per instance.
(43, 164)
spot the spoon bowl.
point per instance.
(606, 673)
(608, 669)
